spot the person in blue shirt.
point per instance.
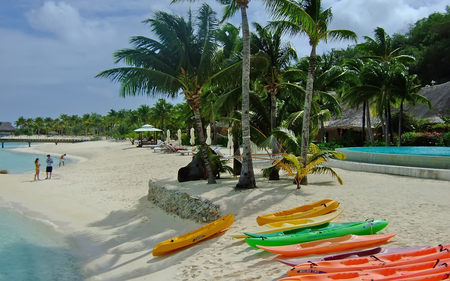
(49, 168)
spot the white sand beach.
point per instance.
(101, 203)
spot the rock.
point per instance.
(193, 171)
(4, 172)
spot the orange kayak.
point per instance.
(432, 277)
(324, 246)
(425, 269)
(194, 236)
(315, 209)
(371, 262)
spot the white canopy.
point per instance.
(147, 128)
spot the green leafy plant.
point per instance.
(316, 157)
(422, 139)
(291, 163)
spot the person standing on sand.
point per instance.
(61, 159)
(49, 168)
(36, 163)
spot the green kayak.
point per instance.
(323, 231)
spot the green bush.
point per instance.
(446, 139)
(329, 145)
(375, 142)
(422, 139)
(222, 141)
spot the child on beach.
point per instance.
(36, 163)
(61, 160)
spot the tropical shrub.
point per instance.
(223, 141)
(446, 139)
(314, 165)
(422, 139)
(329, 145)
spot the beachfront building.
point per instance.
(351, 118)
(6, 129)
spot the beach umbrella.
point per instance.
(168, 136)
(192, 140)
(147, 128)
(179, 137)
(230, 141)
(208, 135)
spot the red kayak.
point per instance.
(374, 251)
(382, 274)
(324, 246)
(371, 262)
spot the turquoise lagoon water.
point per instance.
(19, 162)
(408, 150)
(31, 250)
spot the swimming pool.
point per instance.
(410, 156)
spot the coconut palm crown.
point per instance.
(310, 18)
(180, 61)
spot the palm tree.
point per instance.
(293, 164)
(86, 122)
(160, 113)
(247, 176)
(380, 49)
(38, 122)
(48, 122)
(64, 123)
(307, 17)
(180, 60)
(279, 55)
(144, 113)
(20, 122)
(406, 89)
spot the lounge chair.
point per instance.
(186, 151)
(162, 147)
(218, 151)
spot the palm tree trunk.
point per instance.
(391, 130)
(274, 174)
(205, 148)
(307, 110)
(237, 166)
(273, 110)
(369, 125)
(400, 124)
(364, 123)
(247, 177)
(386, 130)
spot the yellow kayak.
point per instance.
(290, 224)
(306, 211)
(194, 236)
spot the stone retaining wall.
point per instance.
(182, 204)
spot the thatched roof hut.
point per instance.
(439, 96)
(6, 128)
(351, 118)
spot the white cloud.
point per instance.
(65, 21)
(55, 48)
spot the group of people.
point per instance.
(49, 168)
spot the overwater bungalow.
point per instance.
(6, 129)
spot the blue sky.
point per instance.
(50, 51)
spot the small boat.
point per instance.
(405, 272)
(307, 234)
(194, 236)
(324, 246)
(315, 209)
(286, 225)
(373, 261)
(374, 251)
